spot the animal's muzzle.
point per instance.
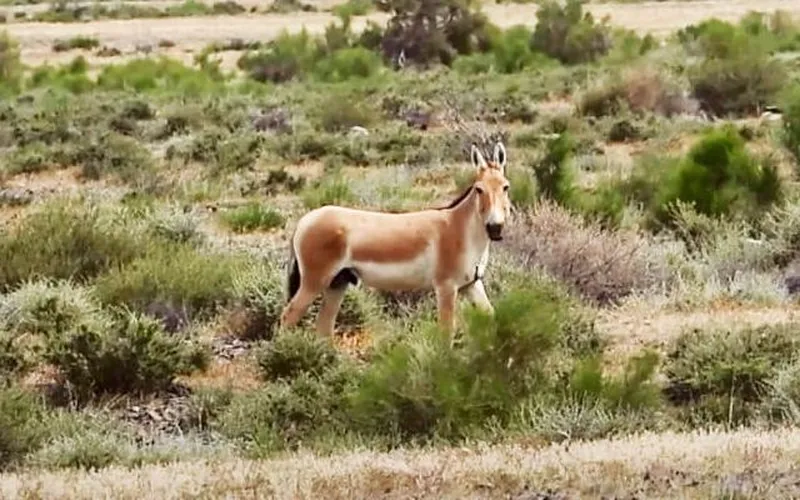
(495, 231)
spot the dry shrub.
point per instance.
(646, 89)
(600, 265)
(642, 89)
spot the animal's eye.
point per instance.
(479, 189)
(505, 188)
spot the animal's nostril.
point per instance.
(494, 229)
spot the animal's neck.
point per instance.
(468, 218)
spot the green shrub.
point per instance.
(284, 58)
(422, 385)
(290, 355)
(334, 191)
(353, 8)
(791, 123)
(225, 153)
(338, 113)
(252, 217)
(21, 415)
(36, 157)
(113, 154)
(722, 375)
(738, 85)
(633, 389)
(259, 300)
(133, 356)
(177, 276)
(346, 64)
(10, 63)
(736, 74)
(150, 74)
(13, 359)
(720, 177)
(554, 179)
(523, 189)
(512, 51)
(433, 32)
(284, 414)
(76, 42)
(49, 308)
(64, 240)
(568, 34)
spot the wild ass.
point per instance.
(446, 249)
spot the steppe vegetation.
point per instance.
(644, 340)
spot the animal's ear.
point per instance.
(500, 155)
(478, 161)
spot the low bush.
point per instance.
(432, 32)
(736, 74)
(225, 153)
(77, 42)
(21, 414)
(285, 414)
(640, 90)
(554, 178)
(723, 375)
(347, 64)
(332, 191)
(338, 113)
(720, 177)
(13, 359)
(179, 277)
(165, 74)
(790, 135)
(49, 308)
(601, 265)
(252, 217)
(742, 84)
(568, 34)
(423, 386)
(259, 297)
(66, 239)
(295, 353)
(10, 63)
(133, 356)
(113, 154)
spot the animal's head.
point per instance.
(492, 187)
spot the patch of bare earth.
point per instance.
(744, 463)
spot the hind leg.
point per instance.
(331, 303)
(298, 306)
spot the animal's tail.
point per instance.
(293, 281)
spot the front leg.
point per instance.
(476, 294)
(446, 294)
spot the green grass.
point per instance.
(253, 217)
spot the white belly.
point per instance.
(414, 274)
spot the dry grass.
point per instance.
(697, 465)
(239, 375)
(632, 328)
(601, 265)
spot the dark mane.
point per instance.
(458, 200)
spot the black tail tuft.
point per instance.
(293, 283)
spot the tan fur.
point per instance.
(438, 249)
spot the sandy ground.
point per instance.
(742, 464)
(193, 33)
